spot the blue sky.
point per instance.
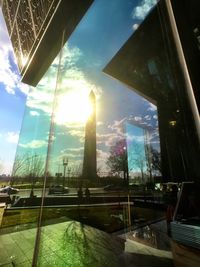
(101, 33)
(12, 101)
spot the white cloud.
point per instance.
(110, 138)
(107, 139)
(100, 123)
(76, 150)
(135, 26)
(73, 154)
(137, 118)
(147, 117)
(70, 55)
(143, 122)
(75, 125)
(9, 78)
(72, 80)
(118, 126)
(41, 99)
(102, 154)
(12, 137)
(155, 117)
(34, 144)
(118, 129)
(34, 113)
(78, 133)
(143, 8)
(151, 106)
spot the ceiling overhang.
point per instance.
(140, 63)
(39, 40)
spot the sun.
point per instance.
(73, 107)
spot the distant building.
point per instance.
(90, 158)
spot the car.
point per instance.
(112, 187)
(9, 190)
(58, 189)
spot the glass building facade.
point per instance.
(110, 120)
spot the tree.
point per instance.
(28, 166)
(137, 159)
(146, 159)
(118, 160)
(155, 160)
(19, 165)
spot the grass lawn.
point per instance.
(107, 218)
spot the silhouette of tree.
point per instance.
(140, 158)
(155, 160)
(74, 244)
(28, 166)
(137, 159)
(19, 164)
(147, 159)
(118, 160)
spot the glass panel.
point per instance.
(102, 131)
(101, 155)
(19, 219)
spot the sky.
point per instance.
(12, 101)
(100, 34)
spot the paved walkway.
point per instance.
(72, 244)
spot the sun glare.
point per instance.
(73, 108)
(23, 60)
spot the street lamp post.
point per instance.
(125, 164)
(69, 171)
(65, 163)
